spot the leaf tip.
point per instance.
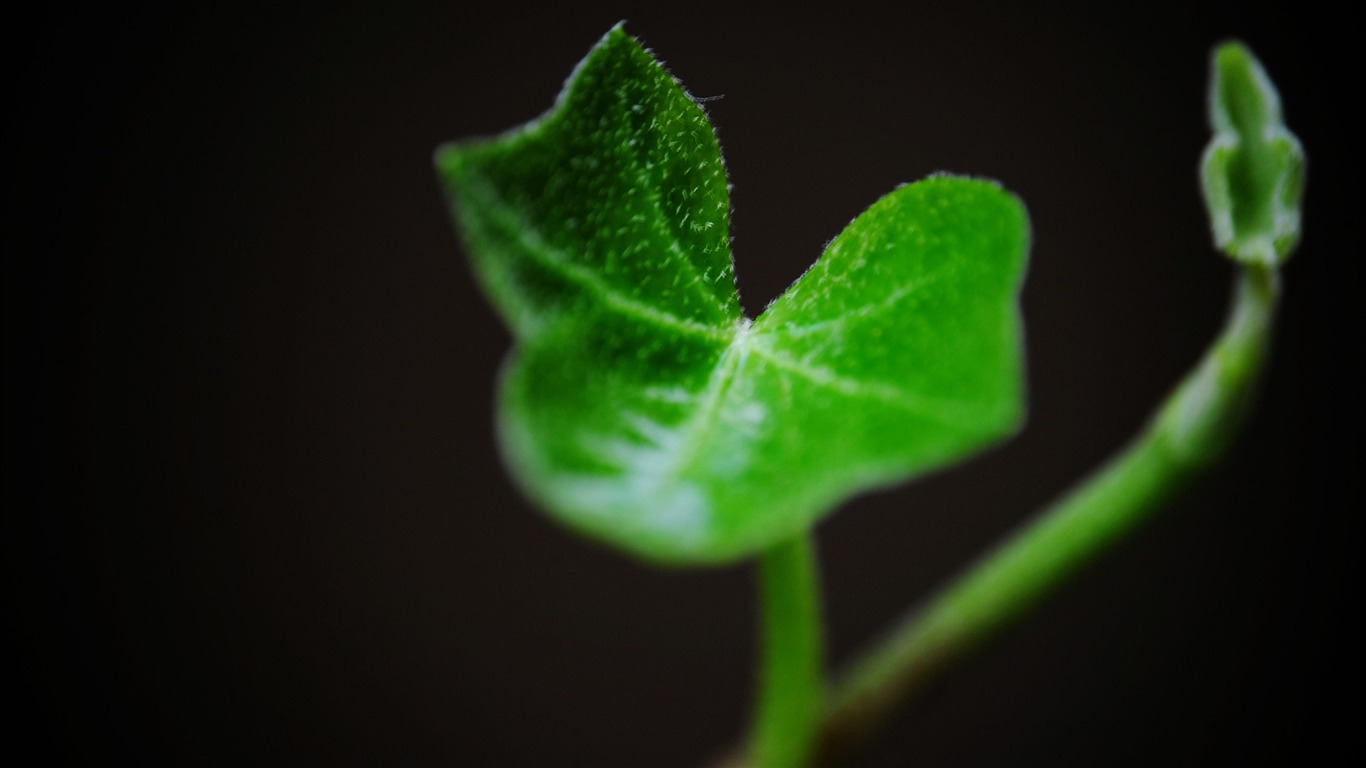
(1242, 97)
(446, 157)
(618, 35)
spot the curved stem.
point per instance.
(1188, 432)
(791, 696)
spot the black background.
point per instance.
(253, 511)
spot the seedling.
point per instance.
(642, 408)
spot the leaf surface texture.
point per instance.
(641, 407)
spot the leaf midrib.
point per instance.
(554, 260)
(731, 364)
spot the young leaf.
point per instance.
(1253, 169)
(640, 406)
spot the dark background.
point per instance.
(253, 511)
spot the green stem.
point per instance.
(1188, 432)
(791, 696)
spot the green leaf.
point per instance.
(1253, 169)
(641, 407)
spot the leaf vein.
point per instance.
(790, 330)
(557, 262)
(947, 412)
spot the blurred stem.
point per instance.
(791, 696)
(1188, 431)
